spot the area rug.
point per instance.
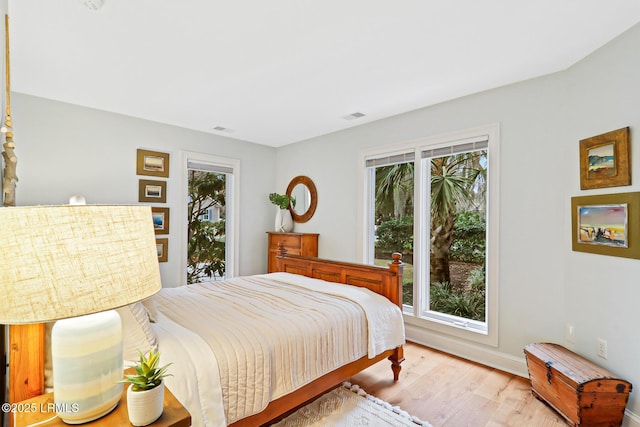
(347, 406)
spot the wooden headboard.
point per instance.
(385, 281)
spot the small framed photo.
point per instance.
(604, 160)
(162, 246)
(607, 224)
(160, 220)
(152, 191)
(152, 163)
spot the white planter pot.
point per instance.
(284, 222)
(146, 406)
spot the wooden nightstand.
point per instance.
(174, 414)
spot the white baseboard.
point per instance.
(631, 419)
(468, 350)
(494, 359)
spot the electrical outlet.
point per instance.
(570, 333)
(602, 348)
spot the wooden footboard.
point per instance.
(316, 388)
(384, 281)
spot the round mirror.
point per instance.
(306, 195)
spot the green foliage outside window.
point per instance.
(396, 234)
(468, 301)
(206, 244)
(469, 238)
(457, 236)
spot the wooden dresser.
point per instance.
(305, 244)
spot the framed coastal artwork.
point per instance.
(152, 191)
(604, 160)
(160, 218)
(607, 224)
(152, 163)
(162, 247)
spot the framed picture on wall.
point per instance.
(152, 191)
(160, 220)
(162, 246)
(152, 163)
(604, 160)
(607, 224)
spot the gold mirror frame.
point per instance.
(313, 199)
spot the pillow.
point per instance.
(152, 308)
(136, 331)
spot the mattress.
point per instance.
(237, 344)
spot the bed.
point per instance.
(272, 377)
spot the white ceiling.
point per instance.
(281, 71)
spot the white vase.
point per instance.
(145, 406)
(284, 222)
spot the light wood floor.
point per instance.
(449, 391)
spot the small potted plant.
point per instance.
(145, 395)
(284, 222)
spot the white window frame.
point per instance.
(440, 323)
(232, 208)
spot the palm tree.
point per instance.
(457, 182)
(394, 190)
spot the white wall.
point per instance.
(65, 150)
(602, 293)
(543, 284)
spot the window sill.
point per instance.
(452, 329)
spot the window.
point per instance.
(435, 201)
(211, 217)
(392, 185)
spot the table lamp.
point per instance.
(73, 265)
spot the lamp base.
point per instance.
(86, 352)
(67, 420)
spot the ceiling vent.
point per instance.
(353, 116)
(222, 129)
(92, 4)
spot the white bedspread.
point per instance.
(194, 376)
(384, 320)
(264, 336)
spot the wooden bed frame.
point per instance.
(381, 280)
(26, 368)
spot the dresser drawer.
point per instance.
(289, 241)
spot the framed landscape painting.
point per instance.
(160, 218)
(152, 163)
(152, 191)
(607, 224)
(604, 160)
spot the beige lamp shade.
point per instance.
(64, 261)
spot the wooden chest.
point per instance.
(581, 391)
